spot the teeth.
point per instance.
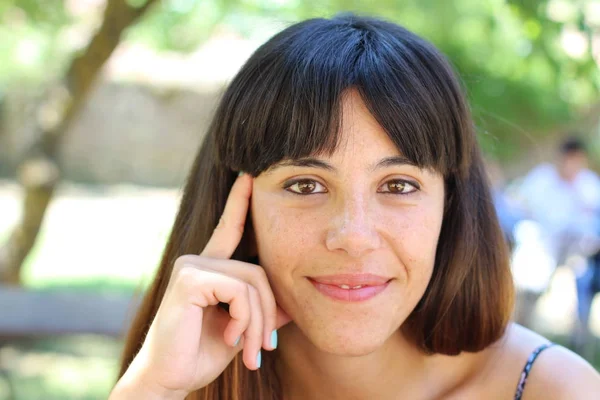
(348, 287)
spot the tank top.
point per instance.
(527, 368)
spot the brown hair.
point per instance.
(284, 104)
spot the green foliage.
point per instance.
(518, 59)
(29, 48)
(180, 25)
(48, 12)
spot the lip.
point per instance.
(329, 286)
(351, 279)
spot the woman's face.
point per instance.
(349, 241)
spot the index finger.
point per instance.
(228, 233)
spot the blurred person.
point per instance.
(562, 205)
(356, 255)
(588, 286)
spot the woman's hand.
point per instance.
(192, 340)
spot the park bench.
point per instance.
(26, 313)
(33, 314)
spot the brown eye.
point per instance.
(399, 187)
(305, 186)
(396, 186)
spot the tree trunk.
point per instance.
(39, 173)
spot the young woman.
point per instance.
(357, 256)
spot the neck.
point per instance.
(396, 367)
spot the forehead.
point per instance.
(360, 135)
(362, 143)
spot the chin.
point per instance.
(350, 346)
(347, 342)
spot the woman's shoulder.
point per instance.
(529, 362)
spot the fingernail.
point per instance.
(274, 339)
(241, 173)
(258, 360)
(237, 341)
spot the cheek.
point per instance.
(413, 236)
(283, 234)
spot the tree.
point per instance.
(39, 172)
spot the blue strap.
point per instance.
(527, 368)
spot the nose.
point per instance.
(352, 229)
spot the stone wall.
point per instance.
(125, 133)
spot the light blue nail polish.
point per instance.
(274, 339)
(258, 360)
(237, 341)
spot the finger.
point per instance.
(273, 316)
(228, 233)
(205, 288)
(254, 334)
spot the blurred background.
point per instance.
(104, 102)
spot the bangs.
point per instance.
(285, 103)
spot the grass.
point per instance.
(77, 367)
(106, 240)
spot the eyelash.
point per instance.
(287, 185)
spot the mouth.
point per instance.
(350, 287)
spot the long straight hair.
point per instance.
(285, 104)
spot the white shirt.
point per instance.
(561, 206)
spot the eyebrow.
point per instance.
(316, 163)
